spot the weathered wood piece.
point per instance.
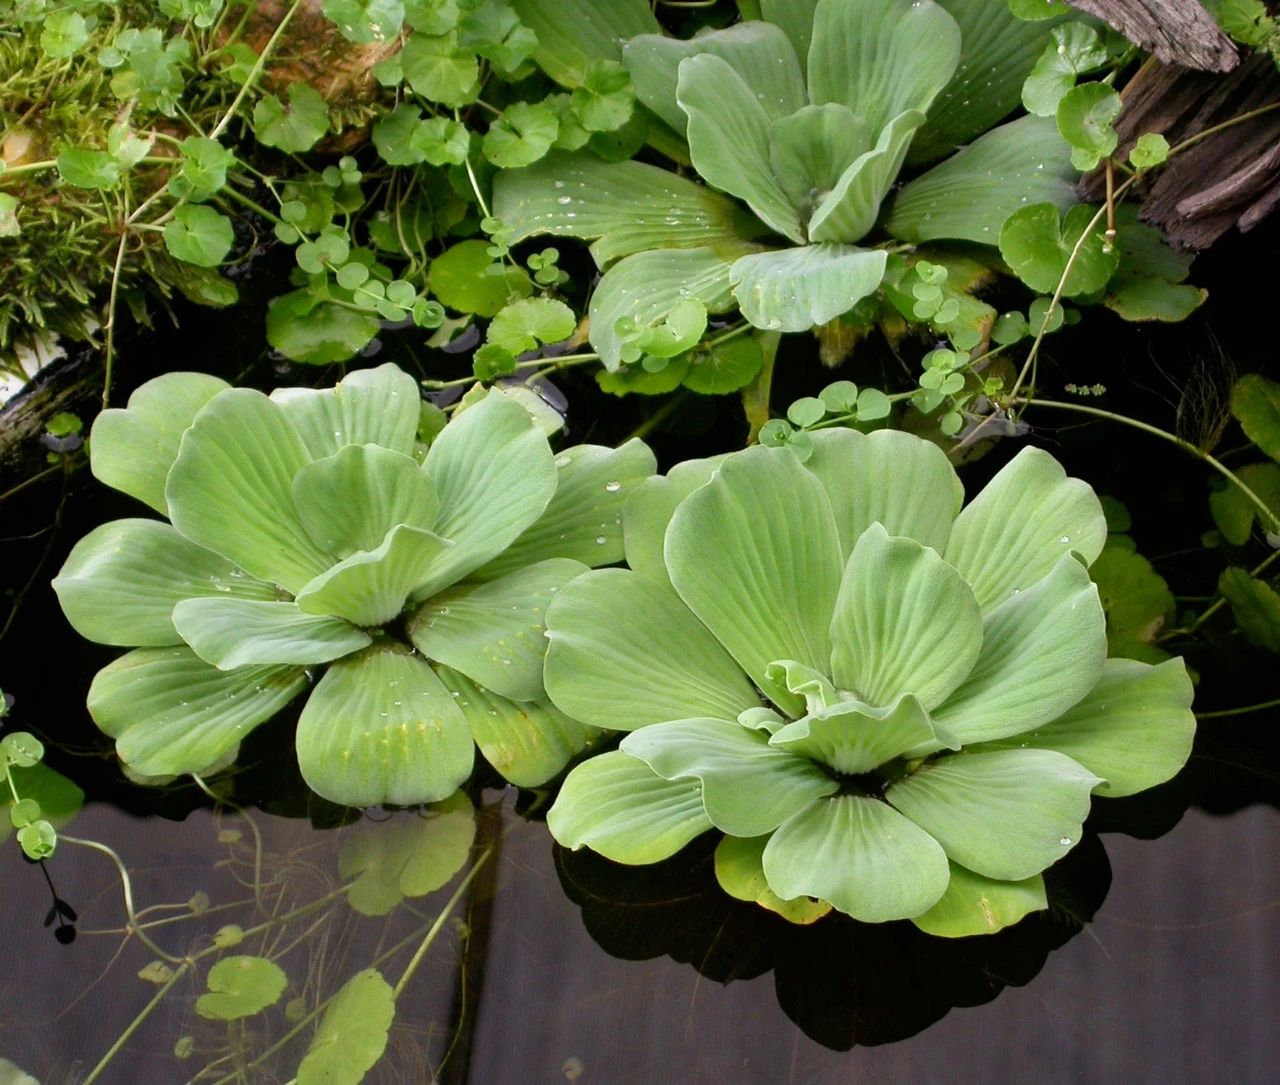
(1230, 178)
(1176, 31)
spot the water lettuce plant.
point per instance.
(887, 704)
(314, 529)
(807, 117)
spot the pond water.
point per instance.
(1158, 962)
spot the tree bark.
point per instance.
(1177, 31)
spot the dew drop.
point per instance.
(564, 201)
(1065, 841)
(613, 486)
(564, 461)
(1065, 539)
(601, 540)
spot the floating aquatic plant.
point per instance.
(313, 529)
(887, 704)
(807, 116)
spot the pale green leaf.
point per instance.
(905, 622)
(438, 69)
(646, 286)
(748, 786)
(240, 987)
(353, 1032)
(371, 587)
(583, 520)
(755, 555)
(231, 633)
(756, 51)
(793, 290)
(1005, 814)
(494, 632)
(1042, 651)
(729, 140)
(617, 806)
(1014, 531)
(370, 406)
(886, 477)
(969, 196)
(528, 742)
(624, 207)
(853, 738)
(525, 324)
(121, 582)
(379, 728)
(865, 858)
(350, 500)
(851, 209)
(658, 664)
(811, 148)
(973, 904)
(647, 514)
(495, 475)
(132, 448)
(739, 866)
(230, 489)
(1134, 728)
(1038, 246)
(410, 854)
(795, 17)
(881, 57)
(170, 712)
(573, 33)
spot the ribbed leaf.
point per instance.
(811, 148)
(645, 286)
(1006, 814)
(865, 858)
(380, 727)
(371, 406)
(1134, 728)
(231, 633)
(617, 806)
(131, 449)
(529, 742)
(740, 872)
(997, 52)
(371, 587)
(887, 477)
(170, 712)
(584, 519)
(120, 583)
(647, 514)
(1042, 651)
(729, 140)
(881, 57)
(1014, 531)
(755, 555)
(795, 17)
(792, 290)
(850, 210)
(625, 652)
(905, 622)
(494, 633)
(853, 738)
(758, 52)
(748, 786)
(350, 500)
(494, 474)
(626, 207)
(230, 489)
(968, 197)
(973, 904)
(573, 33)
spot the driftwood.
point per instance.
(1176, 31)
(1230, 178)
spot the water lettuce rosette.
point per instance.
(887, 704)
(314, 529)
(807, 115)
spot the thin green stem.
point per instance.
(253, 828)
(1265, 514)
(1223, 713)
(256, 70)
(1218, 603)
(31, 481)
(136, 1023)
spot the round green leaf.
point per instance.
(318, 334)
(240, 987)
(353, 1032)
(466, 278)
(1037, 246)
(199, 235)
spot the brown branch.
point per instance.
(1177, 31)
